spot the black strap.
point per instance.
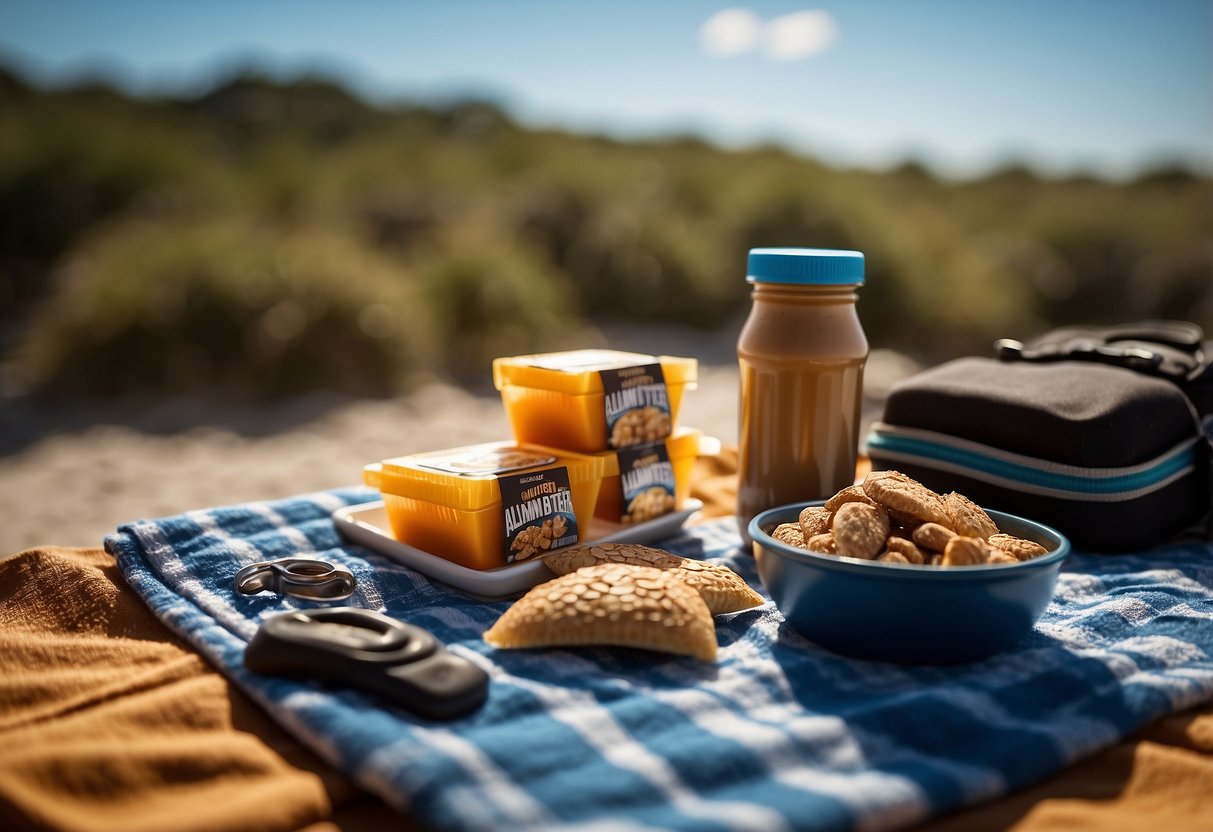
(1174, 350)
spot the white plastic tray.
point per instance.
(367, 525)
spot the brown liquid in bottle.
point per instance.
(801, 353)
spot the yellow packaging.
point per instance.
(658, 477)
(593, 400)
(484, 506)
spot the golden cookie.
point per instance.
(789, 533)
(1017, 547)
(850, 494)
(860, 530)
(723, 590)
(905, 498)
(610, 604)
(966, 551)
(968, 518)
(932, 536)
(815, 520)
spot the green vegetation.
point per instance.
(270, 238)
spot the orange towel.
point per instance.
(107, 721)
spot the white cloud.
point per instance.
(799, 34)
(730, 32)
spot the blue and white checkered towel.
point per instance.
(777, 735)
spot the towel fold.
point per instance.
(108, 722)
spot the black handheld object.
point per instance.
(368, 650)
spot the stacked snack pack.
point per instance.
(595, 436)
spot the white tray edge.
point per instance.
(366, 524)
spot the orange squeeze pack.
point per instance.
(643, 482)
(485, 506)
(593, 400)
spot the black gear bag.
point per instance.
(1103, 433)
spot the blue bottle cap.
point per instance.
(805, 266)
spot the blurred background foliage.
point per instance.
(269, 238)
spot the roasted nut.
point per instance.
(815, 520)
(823, 543)
(906, 549)
(789, 533)
(1016, 547)
(967, 551)
(860, 530)
(932, 536)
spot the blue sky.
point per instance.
(1093, 86)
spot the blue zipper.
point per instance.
(1163, 469)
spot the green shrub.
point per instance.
(488, 295)
(235, 305)
(361, 246)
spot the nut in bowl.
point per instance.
(971, 603)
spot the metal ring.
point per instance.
(298, 577)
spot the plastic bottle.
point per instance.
(801, 353)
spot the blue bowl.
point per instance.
(903, 613)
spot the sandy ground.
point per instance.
(69, 475)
